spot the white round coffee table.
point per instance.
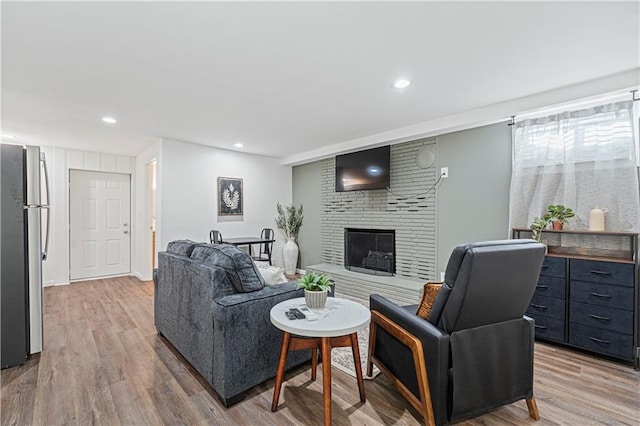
(337, 326)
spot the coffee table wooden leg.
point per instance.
(314, 363)
(356, 360)
(280, 374)
(326, 378)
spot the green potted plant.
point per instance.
(316, 286)
(538, 224)
(289, 221)
(558, 214)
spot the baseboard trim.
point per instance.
(100, 278)
(53, 284)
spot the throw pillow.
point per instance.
(238, 265)
(272, 274)
(181, 247)
(428, 297)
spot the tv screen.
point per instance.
(362, 170)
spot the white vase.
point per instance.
(290, 256)
(315, 299)
(596, 219)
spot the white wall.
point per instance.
(55, 269)
(186, 198)
(187, 189)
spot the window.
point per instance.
(583, 159)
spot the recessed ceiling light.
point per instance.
(238, 145)
(109, 120)
(401, 84)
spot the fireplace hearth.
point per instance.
(370, 251)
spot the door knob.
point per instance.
(125, 231)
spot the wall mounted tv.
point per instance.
(362, 170)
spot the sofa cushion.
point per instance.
(238, 265)
(181, 247)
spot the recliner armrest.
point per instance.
(422, 329)
(435, 344)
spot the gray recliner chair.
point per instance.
(475, 351)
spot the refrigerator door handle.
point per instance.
(45, 251)
(43, 160)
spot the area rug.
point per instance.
(342, 358)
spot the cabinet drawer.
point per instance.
(602, 294)
(549, 328)
(601, 317)
(546, 307)
(553, 267)
(602, 272)
(603, 341)
(550, 287)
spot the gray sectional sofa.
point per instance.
(212, 305)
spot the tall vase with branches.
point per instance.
(289, 221)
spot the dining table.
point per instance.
(249, 241)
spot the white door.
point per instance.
(99, 224)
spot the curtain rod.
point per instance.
(592, 101)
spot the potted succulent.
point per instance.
(316, 286)
(558, 214)
(289, 221)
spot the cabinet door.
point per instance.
(602, 272)
(603, 341)
(554, 267)
(602, 294)
(550, 287)
(601, 317)
(547, 307)
(549, 328)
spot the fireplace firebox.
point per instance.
(371, 251)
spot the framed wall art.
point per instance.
(230, 197)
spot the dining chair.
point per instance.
(265, 251)
(215, 237)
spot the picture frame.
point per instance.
(230, 196)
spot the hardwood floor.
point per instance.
(104, 364)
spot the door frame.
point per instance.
(131, 225)
(151, 206)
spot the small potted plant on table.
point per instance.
(316, 286)
(558, 214)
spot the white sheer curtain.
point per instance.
(583, 159)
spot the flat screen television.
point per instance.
(363, 170)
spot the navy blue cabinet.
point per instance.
(548, 304)
(601, 306)
(588, 297)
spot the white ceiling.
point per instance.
(288, 78)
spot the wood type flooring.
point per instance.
(104, 364)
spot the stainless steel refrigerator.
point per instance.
(24, 227)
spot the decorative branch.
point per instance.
(289, 220)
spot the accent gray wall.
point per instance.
(307, 191)
(473, 202)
